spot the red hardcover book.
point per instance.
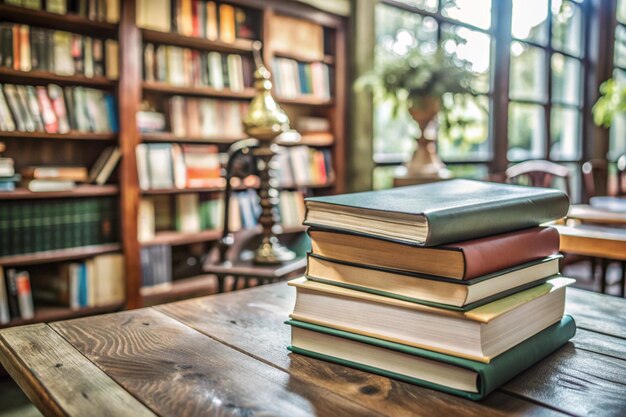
(50, 122)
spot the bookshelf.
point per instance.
(130, 90)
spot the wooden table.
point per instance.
(225, 355)
(588, 214)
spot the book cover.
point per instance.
(489, 376)
(443, 212)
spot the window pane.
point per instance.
(398, 31)
(617, 142)
(468, 136)
(528, 81)
(565, 134)
(526, 132)
(619, 57)
(474, 171)
(566, 77)
(383, 176)
(567, 27)
(621, 11)
(428, 5)
(473, 12)
(473, 47)
(530, 20)
(393, 135)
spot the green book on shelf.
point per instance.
(438, 213)
(453, 375)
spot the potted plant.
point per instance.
(417, 82)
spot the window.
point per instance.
(545, 52)
(617, 142)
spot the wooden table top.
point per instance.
(593, 240)
(586, 213)
(226, 355)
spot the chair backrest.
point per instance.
(595, 175)
(538, 173)
(621, 175)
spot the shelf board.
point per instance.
(327, 59)
(9, 75)
(49, 20)
(59, 255)
(306, 100)
(182, 190)
(173, 38)
(176, 238)
(80, 191)
(181, 288)
(74, 135)
(158, 87)
(170, 137)
(48, 314)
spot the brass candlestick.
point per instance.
(265, 121)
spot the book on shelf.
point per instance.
(179, 66)
(78, 174)
(48, 186)
(288, 35)
(206, 118)
(427, 368)
(29, 227)
(56, 110)
(96, 10)
(5, 316)
(20, 299)
(165, 166)
(295, 79)
(93, 282)
(204, 19)
(26, 48)
(104, 166)
(156, 268)
(438, 213)
(302, 166)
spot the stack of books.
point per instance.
(58, 178)
(7, 171)
(453, 286)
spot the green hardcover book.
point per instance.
(453, 375)
(437, 213)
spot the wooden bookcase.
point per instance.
(83, 148)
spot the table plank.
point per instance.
(576, 381)
(597, 312)
(252, 322)
(586, 213)
(58, 379)
(177, 371)
(591, 240)
(600, 343)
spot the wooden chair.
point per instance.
(538, 173)
(621, 175)
(595, 176)
(232, 259)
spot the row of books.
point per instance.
(95, 282)
(53, 109)
(303, 166)
(156, 266)
(451, 285)
(27, 48)
(188, 67)
(206, 19)
(167, 165)
(96, 10)
(193, 213)
(27, 227)
(205, 117)
(7, 171)
(294, 79)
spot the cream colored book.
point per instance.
(479, 334)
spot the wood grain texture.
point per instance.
(597, 312)
(177, 371)
(252, 322)
(58, 379)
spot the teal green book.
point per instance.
(437, 213)
(449, 374)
